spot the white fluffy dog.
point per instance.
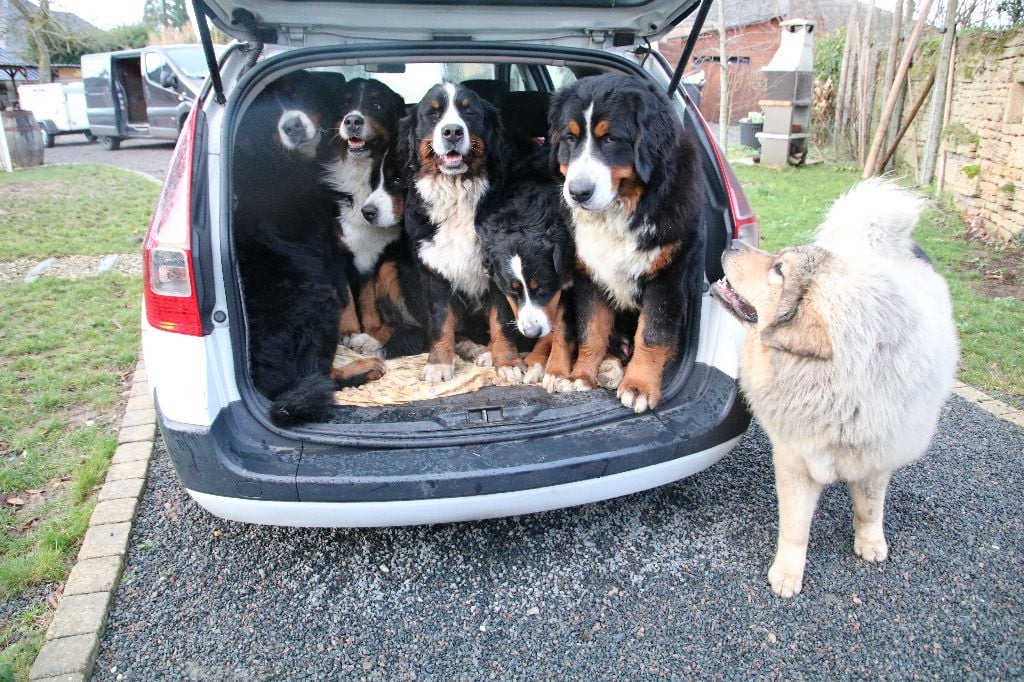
(850, 355)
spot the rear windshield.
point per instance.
(607, 4)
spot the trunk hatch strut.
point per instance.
(691, 42)
(211, 57)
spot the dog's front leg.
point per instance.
(798, 496)
(656, 340)
(502, 353)
(868, 509)
(440, 329)
(594, 322)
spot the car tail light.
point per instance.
(170, 283)
(744, 221)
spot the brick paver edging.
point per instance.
(73, 638)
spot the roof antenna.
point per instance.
(691, 42)
(211, 56)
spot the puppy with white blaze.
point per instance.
(850, 355)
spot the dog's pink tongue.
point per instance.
(356, 143)
(452, 160)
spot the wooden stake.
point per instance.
(910, 119)
(871, 165)
(946, 113)
(845, 75)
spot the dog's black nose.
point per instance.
(581, 191)
(293, 127)
(452, 133)
(354, 121)
(370, 213)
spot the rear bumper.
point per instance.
(239, 470)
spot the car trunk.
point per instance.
(492, 412)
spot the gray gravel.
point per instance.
(665, 583)
(146, 156)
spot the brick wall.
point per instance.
(984, 143)
(752, 45)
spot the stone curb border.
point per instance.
(73, 639)
(990, 405)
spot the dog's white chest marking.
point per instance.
(610, 251)
(454, 251)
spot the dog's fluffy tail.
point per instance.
(877, 215)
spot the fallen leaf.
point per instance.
(216, 533)
(533, 611)
(15, 501)
(33, 491)
(52, 601)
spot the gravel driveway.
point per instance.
(147, 156)
(666, 583)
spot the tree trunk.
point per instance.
(845, 75)
(723, 81)
(903, 14)
(931, 143)
(36, 26)
(865, 83)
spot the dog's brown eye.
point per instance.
(777, 269)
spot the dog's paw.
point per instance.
(871, 549)
(609, 374)
(786, 582)
(534, 374)
(363, 344)
(485, 359)
(435, 374)
(469, 350)
(512, 374)
(581, 385)
(553, 383)
(638, 395)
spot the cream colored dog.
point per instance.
(850, 355)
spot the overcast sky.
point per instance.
(105, 14)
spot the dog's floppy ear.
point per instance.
(655, 142)
(798, 327)
(558, 101)
(405, 149)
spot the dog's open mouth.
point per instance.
(452, 161)
(356, 145)
(733, 302)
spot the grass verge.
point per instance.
(86, 210)
(66, 349)
(791, 203)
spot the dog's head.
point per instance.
(528, 251)
(385, 206)
(368, 117)
(778, 294)
(453, 131)
(612, 136)
(296, 109)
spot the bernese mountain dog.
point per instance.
(529, 253)
(389, 328)
(458, 163)
(294, 278)
(635, 192)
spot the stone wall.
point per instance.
(983, 144)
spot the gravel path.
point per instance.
(146, 156)
(665, 583)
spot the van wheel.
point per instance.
(89, 137)
(47, 137)
(111, 144)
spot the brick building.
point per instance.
(752, 35)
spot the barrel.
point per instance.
(22, 142)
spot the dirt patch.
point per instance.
(1000, 266)
(50, 189)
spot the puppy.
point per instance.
(528, 251)
(850, 354)
(294, 280)
(458, 164)
(635, 192)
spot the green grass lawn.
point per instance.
(66, 347)
(791, 203)
(63, 210)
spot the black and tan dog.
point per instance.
(458, 163)
(294, 278)
(529, 253)
(635, 192)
